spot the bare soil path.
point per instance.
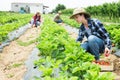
(12, 58)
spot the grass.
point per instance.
(16, 65)
(25, 43)
(10, 75)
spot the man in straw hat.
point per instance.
(98, 40)
(57, 17)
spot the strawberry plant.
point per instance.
(11, 23)
(114, 34)
(71, 22)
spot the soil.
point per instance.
(13, 57)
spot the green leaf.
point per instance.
(74, 78)
(76, 69)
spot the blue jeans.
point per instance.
(59, 21)
(36, 24)
(94, 45)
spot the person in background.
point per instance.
(57, 17)
(98, 40)
(36, 20)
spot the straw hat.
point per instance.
(78, 11)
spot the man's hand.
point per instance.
(107, 52)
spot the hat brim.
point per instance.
(72, 16)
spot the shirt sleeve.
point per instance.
(80, 35)
(104, 34)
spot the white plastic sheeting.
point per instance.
(13, 35)
(31, 70)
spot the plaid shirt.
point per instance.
(97, 29)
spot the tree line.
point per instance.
(109, 10)
(112, 10)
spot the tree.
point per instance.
(59, 7)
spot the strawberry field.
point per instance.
(60, 56)
(59, 51)
(10, 22)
